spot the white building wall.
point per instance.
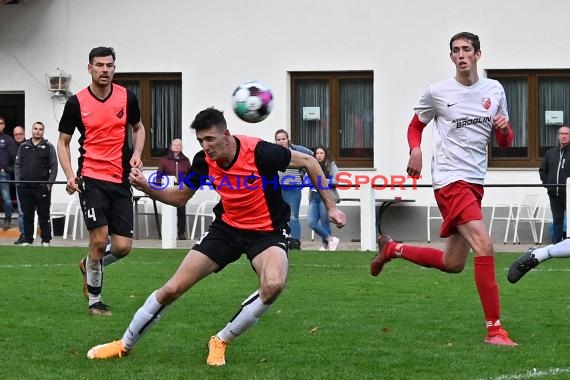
(216, 44)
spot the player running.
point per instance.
(103, 113)
(466, 111)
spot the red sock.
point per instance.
(425, 256)
(488, 291)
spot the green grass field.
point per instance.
(334, 321)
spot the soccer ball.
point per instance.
(252, 101)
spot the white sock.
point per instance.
(561, 249)
(145, 317)
(94, 271)
(251, 309)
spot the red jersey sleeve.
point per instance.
(415, 130)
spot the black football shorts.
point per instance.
(225, 244)
(107, 203)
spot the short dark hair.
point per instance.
(473, 38)
(101, 51)
(208, 118)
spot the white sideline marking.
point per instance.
(548, 270)
(10, 266)
(533, 374)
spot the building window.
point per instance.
(539, 103)
(160, 101)
(335, 109)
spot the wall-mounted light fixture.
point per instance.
(58, 83)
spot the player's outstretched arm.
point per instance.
(320, 182)
(169, 195)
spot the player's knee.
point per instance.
(169, 293)
(271, 289)
(455, 267)
(120, 249)
(99, 246)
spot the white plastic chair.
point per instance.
(432, 214)
(193, 206)
(527, 211)
(508, 218)
(52, 215)
(77, 217)
(73, 204)
(204, 210)
(545, 215)
(147, 205)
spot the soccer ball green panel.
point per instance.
(252, 101)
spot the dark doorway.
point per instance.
(12, 109)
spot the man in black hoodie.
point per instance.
(554, 170)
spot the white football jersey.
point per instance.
(462, 127)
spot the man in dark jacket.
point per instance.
(176, 164)
(19, 134)
(36, 161)
(8, 149)
(555, 170)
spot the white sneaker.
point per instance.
(323, 248)
(45, 244)
(333, 243)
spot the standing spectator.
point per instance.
(103, 113)
(36, 161)
(466, 111)
(19, 134)
(553, 170)
(176, 164)
(317, 215)
(8, 150)
(291, 189)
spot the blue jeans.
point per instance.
(317, 217)
(292, 196)
(558, 208)
(6, 197)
